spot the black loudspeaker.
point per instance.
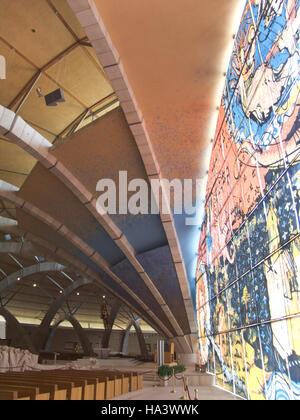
(54, 97)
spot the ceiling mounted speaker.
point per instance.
(54, 97)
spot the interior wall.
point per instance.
(65, 339)
(248, 283)
(14, 337)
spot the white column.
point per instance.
(2, 328)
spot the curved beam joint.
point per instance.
(13, 278)
(141, 339)
(42, 334)
(84, 341)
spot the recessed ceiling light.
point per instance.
(34, 285)
(78, 294)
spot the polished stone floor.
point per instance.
(151, 393)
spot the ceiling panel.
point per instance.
(54, 119)
(15, 164)
(100, 114)
(64, 9)
(45, 133)
(82, 77)
(18, 74)
(78, 72)
(21, 17)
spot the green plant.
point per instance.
(167, 371)
(180, 369)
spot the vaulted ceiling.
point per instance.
(45, 47)
(140, 79)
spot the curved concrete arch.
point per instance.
(142, 316)
(85, 343)
(64, 257)
(9, 225)
(45, 248)
(41, 249)
(14, 324)
(125, 338)
(43, 330)
(119, 80)
(19, 248)
(12, 279)
(143, 348)
(9, 193)
(52, 334)
(42, 334)
(111, 320)
(14, 126)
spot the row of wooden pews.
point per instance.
(71, 385)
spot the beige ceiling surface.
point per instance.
(20, 70)
(45, 36)
(82, 78)
(63, 7)
(20, 17)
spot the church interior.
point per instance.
(149, 200)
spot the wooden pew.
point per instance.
(26, 391)
(99, 384)
(77, 384)
(115, 382)
(12, 396)
(125, 382)
(73, 392)
(140, 379)
(88, 387)
(77, 388)
(122, 383)
(57, 392)
(79, 376)
(135, 380)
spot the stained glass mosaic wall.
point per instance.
(248, 281)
